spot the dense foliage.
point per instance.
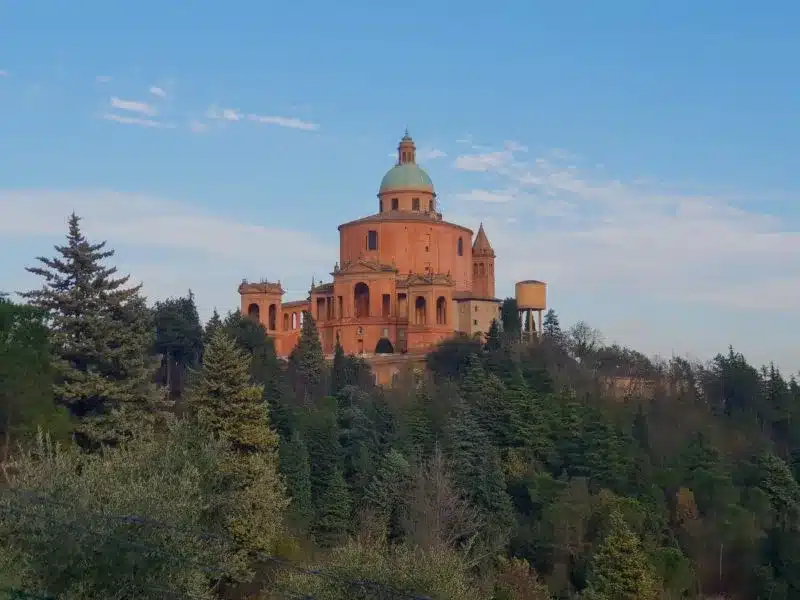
(202, 466)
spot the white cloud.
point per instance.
(289, 122)
(103, 79)
(150, 123)
(157, 91)
(171, 246)
(697, 251)
(134, 106)
(233, 114)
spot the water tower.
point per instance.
(531, 296)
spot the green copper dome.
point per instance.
(406, 176)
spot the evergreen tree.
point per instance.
(339, 376)
(307, 364)
(214, 323)
(478, 472)
(101, 337)
(251, 337)
(333, 515)
(619, 568)
(179, 339)
(509, 314)
(296, 469)
(551, 328)
(225, 403)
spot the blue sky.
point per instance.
(639, 157)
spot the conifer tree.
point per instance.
(619, 568)
(333, 515)
(551, 328)
(307, 364)
(179, 338)
(225, 403)
(296, 469)
(102, 333)
(339, 375)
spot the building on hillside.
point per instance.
(405, 280)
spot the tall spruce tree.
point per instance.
(225, 403)
(619, 568)
(307, 364)
(102, 333)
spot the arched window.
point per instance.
(420, 311)
(272, 324)
(361, 298)
(253, 311)
(460, 246)
(441, 311)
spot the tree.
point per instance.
(509, 315)
(122, 522)
(226, 404)
(551, 328)
(179, 339)
(584, 340)
(307, 364)
(101, 337)
(619, 568)
(26, 393)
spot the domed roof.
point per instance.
(406, 176)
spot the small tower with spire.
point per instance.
(406, 150)
(482, 266)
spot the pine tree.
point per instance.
(333, 515)
(179, 339)
(307, 364)
(224, 400)
(296, 470)
(225, 403)
(619, 568)
(339, 375)
(214, 323)
(551, 328)
(509, 314)
(102, 333)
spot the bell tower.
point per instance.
(482, 266)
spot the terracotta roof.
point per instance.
(482, 245)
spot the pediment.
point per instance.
(362, 265)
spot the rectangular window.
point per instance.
(395, 204)
(415, 204)
(372, 240)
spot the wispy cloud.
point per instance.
(134, 106)
(233, 114)
(630, 239)
(158, 91)
(289, 122)
(103, 79)
(141, 122)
